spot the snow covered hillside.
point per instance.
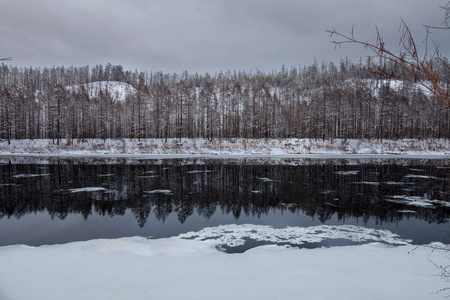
(254, 147)
(179, 268)
(397, 86)
(117, 90)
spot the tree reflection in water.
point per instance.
(321, 190)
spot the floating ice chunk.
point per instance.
(347, 173)
(235, 235)
(406, 211)
(416, 201)
(30, 175)
(327, 192)
(166, 192)
(420, 176)
(367, 182)
(265, 179)
(87, 189)
(395, 183)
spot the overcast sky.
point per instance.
(201, 35)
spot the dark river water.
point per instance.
(60, 201)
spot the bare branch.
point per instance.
(419, 69)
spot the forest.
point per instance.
(320, 101)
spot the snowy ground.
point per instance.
(236, 147)
(186, 268)
(191, 266)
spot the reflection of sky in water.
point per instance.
(39, 229)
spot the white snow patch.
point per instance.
(176, 268)
(248, 147)
(199, 172)
(417, 170)
(115, 89)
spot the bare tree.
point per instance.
(423, 69)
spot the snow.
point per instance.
(178, 268)
(199, 172)
(235, 147)
(117, 90)
(398, 85)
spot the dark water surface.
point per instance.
(73, 200)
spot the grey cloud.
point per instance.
(199, 35)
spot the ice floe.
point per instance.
(30, 175)
(87, 189)
(347, 173)
(420, 176)
(235, 235)
(166, 192)
(367, 183)
(418, 201)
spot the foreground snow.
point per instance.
(177, 268)
(226, 147)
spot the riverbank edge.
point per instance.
(226, 148)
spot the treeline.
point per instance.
(319, 101)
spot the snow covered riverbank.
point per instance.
(191, 266)
(180, 268)
(235, 147)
